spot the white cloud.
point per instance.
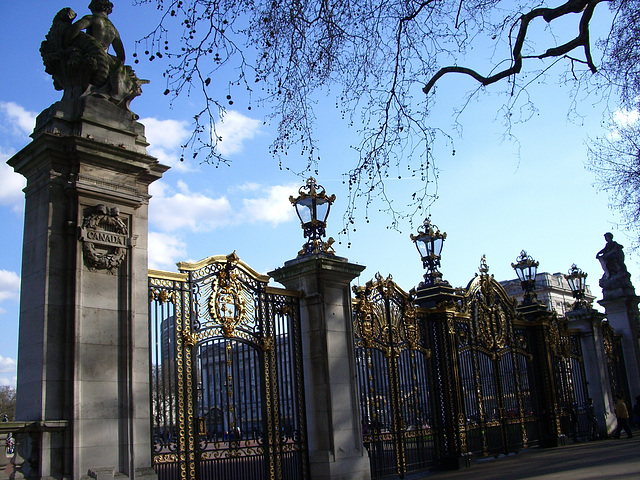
(22, 120)
(180, 209)
(8, 381)
(170, 158)
(174, 211)
(165, 134)
(11, 185)
(8, 371)
(274, 207)
(7, 364)
(624, 117)
(158, 189)
(248, 187)
(9, 285)
(234, 129)
(165, 250)
(166, 138)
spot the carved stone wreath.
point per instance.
(105, 239)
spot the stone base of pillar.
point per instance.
(111, 474)
(323, 465)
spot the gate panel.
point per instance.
(495, 376)
(228, 399)
(570, 381)
(394, 379)
(167, 296)
(615, 362)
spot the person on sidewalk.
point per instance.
(622, 414)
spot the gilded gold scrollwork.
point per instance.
(462, 431)
(226, 303)
(608, 340)
(161, 296)
(391, 329)
(411, 330)
(558, 335)
(492, 324)
(267, 344)
(190, 339)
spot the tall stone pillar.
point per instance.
(336, 451)
(621, 308)
(83, 362)
(589, 322)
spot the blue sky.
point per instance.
(496, 197)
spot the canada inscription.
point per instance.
(105, 239)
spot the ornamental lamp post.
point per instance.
(526, 268)
(577, 280)
(429, 242)
(312, 206)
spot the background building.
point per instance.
(552, 290)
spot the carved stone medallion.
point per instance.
(105, 239)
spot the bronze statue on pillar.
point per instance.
(616, 280)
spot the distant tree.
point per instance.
(615, 157)
(385, 59)
(615, 160)
(8, 402)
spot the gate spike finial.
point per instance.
(484, 268)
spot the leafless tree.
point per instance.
(615, 156)
(383, 60)
(615, 159)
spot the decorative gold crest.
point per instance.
(558, 337)
(492, 320)
(379, 327)
(608, 339)
(226, 304)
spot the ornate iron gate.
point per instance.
(569, 379)
(226, 375)
(495, 371)
(394, 378)
(615, 362)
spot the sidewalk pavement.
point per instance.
(612, 459)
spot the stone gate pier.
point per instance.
(83, 375)
(621, 307)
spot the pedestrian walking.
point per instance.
(622, 414)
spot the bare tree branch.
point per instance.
(587, 8)
(372, 58)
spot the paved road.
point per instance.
(606, 459)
